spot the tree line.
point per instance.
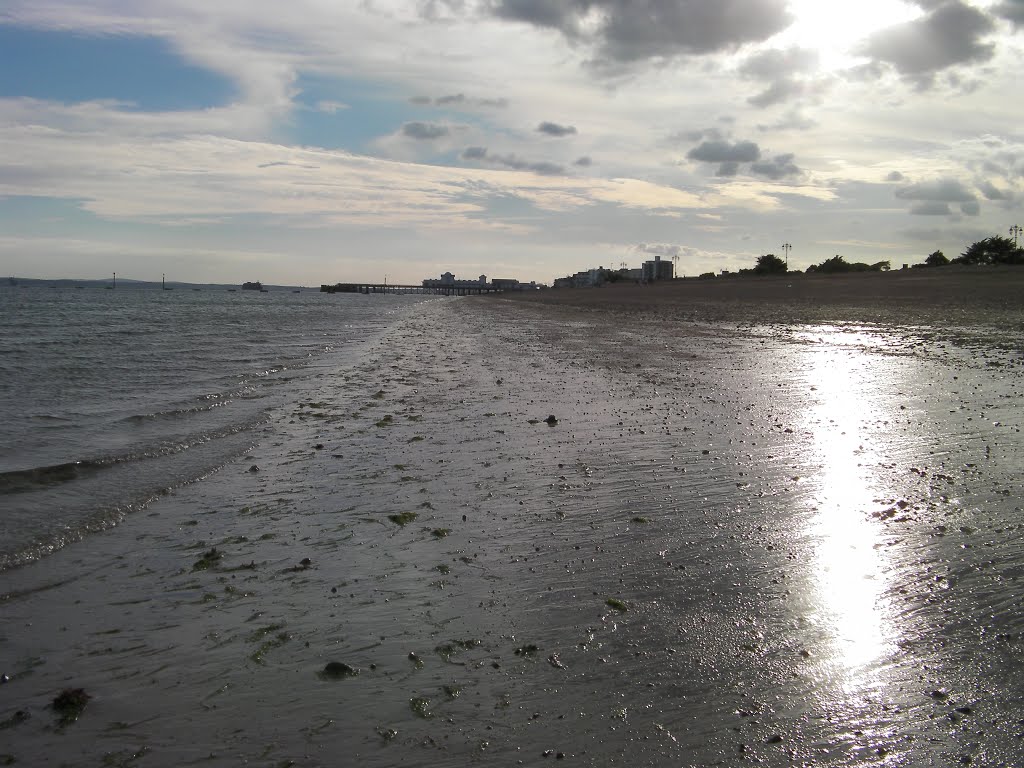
(991, 250)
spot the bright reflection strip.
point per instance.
(849, 567)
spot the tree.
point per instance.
(936, 259)
(830, 266)
(992, 250)
(770, 264)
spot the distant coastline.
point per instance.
(15, 282)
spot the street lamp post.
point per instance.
(1015, 230)
(786, 247)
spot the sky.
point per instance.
(324, 141)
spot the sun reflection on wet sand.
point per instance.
(847, 391)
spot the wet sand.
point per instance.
(745, 539)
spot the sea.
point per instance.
(110, 398)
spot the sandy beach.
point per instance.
(776, 524)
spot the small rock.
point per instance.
(551, 420)
(337, 670)
(254, 468)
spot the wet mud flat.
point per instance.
(735, 543)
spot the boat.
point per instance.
(256, 286)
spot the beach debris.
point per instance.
(452, 691)
(69, 704)
(338, 670)
(420, 707)
(254, 468)
(403, 518)
(17, 718)
(440, 533)
(618, 605)
(416, 660)
(527, 650)
(388, 734)
(304, 565)
(268, 644)
(639, 519)
(208, 560)
(551, 420)
(555, 662)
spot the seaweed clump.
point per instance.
(69, 704)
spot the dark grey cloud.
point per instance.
(554, 129)
(779, 167)
(626, 31)
(970, 208)
(424, 131)
(728, 168)
(937, 190)
(543, 167)
(991, 191)
(722, 151)
(895, 176)
(949, 34)
(1011, 10)
(584, 162)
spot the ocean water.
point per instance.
(109, 398)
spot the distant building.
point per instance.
(448, 280)
(658, 270)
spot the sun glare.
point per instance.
(835, 29)
(850, 569)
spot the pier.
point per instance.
(445, 290)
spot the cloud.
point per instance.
(459, 99)
(728, 168)
(934, 198)
(788, 74)
(930, 208)
(779, 167)
(554, 129)
(425, 131)
(330, 107)
(992, 192)
(583, 162)
(721, 151)
(659, 249)
(624, 31)
(510, 160)
(894, 176)
(938, 190)
(1011, 10)
(950, 34)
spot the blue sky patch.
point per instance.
(145, 71)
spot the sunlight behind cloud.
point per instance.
(833, 29)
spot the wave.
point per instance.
(42, 478)
(23, 480)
